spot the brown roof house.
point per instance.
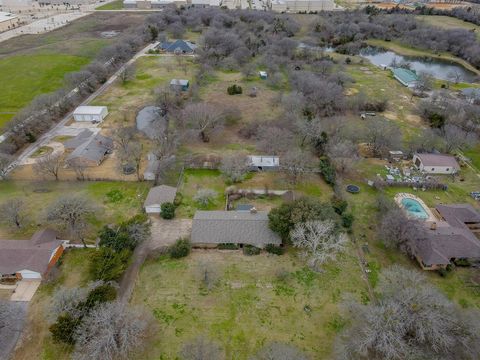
(452, 238)
(157, 196)
(436, 163)
(211, 228)
(30, 259)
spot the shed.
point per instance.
(90, 113)
(395, 155)
(263, 74)
(211, 228)
(263, 162)
(406, 77)
(179, 84)
(436, 163)
(157, 196)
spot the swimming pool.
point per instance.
(414, 208)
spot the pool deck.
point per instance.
(400, 196)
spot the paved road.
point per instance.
(10, 335)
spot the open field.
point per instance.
(448, 22)
(255, 300)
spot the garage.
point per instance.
(90, 113)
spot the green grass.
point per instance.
(114, 5)
(250, 305)
(448, 22)
(474, 155)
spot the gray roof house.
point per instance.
(211, 228)
(92, 151)
(157, 196)
(178, 47)
(78, 140)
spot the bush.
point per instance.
(64, 328)
(347, 220)
(274, 249)
(227, 246)
(101, 294)
(115, 239)
(168, 211)
(462, 262)
(327, 170)
(115, 196)
(180, 249)
(178, 199)
(250, 250)
(108, 265)
(234, 89)
(339, 205)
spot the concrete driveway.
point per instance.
(165, 232)
(25, 290)
(10, 334)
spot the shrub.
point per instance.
(274, 249)
(227, 246)
(168, 211)
(327, 170)
(250, 250)
(64, 328)
(205, 197)
(101, 294)
(347, 220)
(339, 205)
(180, 249)
(461, 262)
(115, 239)
(115, 196)
(107, 264)
(178, 199)
(234, 89)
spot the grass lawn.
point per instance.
(114, 5)
(38, 196)
(255, 300)
(448, 22)
(474, 155)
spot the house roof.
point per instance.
(93, 149)
(160, 194)
(5, 16)
(178, 46)
(89, 110)
(459, 214)
(263, 160)
(150, 122)
(438, 160)
(238, 227)
(181, 82)
(78, 140)
(33, 254)
(405, 75)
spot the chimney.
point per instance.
(433, 226)
(253, 210)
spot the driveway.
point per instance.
(9, 335)
(25, 290)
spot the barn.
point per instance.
(90, 113)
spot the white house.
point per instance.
(436, 163)
(260, 162)
(90, 113)
(157, 196)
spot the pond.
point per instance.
(439, 69)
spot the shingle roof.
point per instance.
(93, 149)
(33, 254)
(438, 160)
(178, 46)
(407, 76)
(78, 140)
(238, 227)
(160, 194)
(459, 214)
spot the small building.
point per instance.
(395, 155)
(90, 113)
(260, 162)
(263, 75)
(30, 259)
(406, 77)
(179, 85)
(178, 47)
(91, 152)
(211, 228)
(304, 6)
(8, 21)
(157, 196)
(436, 163)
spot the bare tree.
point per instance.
(132, 155)
(123, 136)
(205, 197)
(342, 154)
(111, 331)
(167, 100)
(12, 212)
(454, 76)
(202, 349)
(234, 167)
(279, 351)
(423, 84)
(274, 140)
(67, 301)
(128, 74)
(457, 138)
(49, 165)
(204, 118)
(5, 161)
(71, 213)
(382, 135)
(295, 163)
(79, 168)
(319, 240)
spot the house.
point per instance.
(30, 259)
(91, 152)
(178, 46)
(179, 85)
(436, 163)
(90, 113)
(260, 162)
(451, 238)
(302, 5)
(211, 228)
(78, 140)
(157, 196)
(151, 121)
(263, 75)
(406, 77)
(205, 3)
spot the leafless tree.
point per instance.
(454, 76)
(49, 165)
(382, 135)
(234, 167)
(319, 240)
(274, 140)
(5, 161)
(342, 154)
(123, 136)
(204, 197)
(132, 155)
(79, 168)
(279, 351)
(204, 118)
(295, 163)
(412, 320)
(167, 100)
(208, 275)
(71, 213)
(67, 301)
(12, 212)
(127, 74)
(111, 331)
(423, 84)
(457, 138)
(202, 349)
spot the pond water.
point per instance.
(439, 69)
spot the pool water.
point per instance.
(414, 208)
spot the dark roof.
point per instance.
(93, 149)
(237, 227)
(178, 46)
(78, 140)
(438, 160)
(160, 194)
(459, 214)
(33, 254)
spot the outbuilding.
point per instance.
(179, 85)
(90, 113)
(406, 77)
(157, 196)
(436, 163)
(263, 162)
(263, 75)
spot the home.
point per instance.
(30, 259)
(205, 3)
(179, 85)
(436, 163)
(260, 162)
(177, 47)
(303, 5)
(157, 196)
(89, 151)
(263, 75)
(90, 113)
(406, 77)
(8, 21)
(450, 238)
(211, 228)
